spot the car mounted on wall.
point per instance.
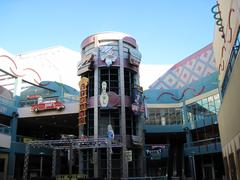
(51, 104)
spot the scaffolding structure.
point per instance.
(69, 144)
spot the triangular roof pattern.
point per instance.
(196, 66)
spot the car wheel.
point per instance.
(36, 110)
(60, 108)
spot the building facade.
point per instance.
(181, 133)
(226, 50)
(180, 137)
(49, 112)
(55, 113)
(110, 62)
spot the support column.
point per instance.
(96, 83)
(54, 159)
(80, 153)
(13, 124)
(192, 166)
(184, 114)
(17, 90)
(80, 162)
(12, 156)
(109, 159)
(123, 113)
(145, 158)
(26, 161)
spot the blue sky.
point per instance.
(166, 30)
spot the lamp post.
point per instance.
(41, 163)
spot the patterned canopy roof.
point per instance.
(196, 66)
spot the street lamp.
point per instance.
(41, 163)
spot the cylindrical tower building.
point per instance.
(110, 63)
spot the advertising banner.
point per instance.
(137, 101)
(82, 101)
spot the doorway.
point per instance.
(208, 172)
(3, 166)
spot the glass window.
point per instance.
(204, 101)
(110, 76)
(131, 125)
(151, 115)
(204, 108)
(89, 127)
(165, 116)
(128, 82)
(90, 84)
(106, 117)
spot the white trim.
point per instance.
(197, 98)
(165, 105)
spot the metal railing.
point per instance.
(148, 178)
(203, 146)
(203, 142)
(163, 123)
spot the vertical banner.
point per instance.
(137, 101)
(83, 101)
(144, 107)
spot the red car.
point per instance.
(48, 105)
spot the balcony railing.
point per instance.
(5, 130)
(203, 146)
(163, 123)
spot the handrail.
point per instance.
(5, 130)
(203, 142)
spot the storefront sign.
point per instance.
(135, 57)
(154, 151)
(83, 101)
(108, 55)
(137, 140)
(86, 63)
(34, 96)
(129, 155)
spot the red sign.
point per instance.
(34, 96)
